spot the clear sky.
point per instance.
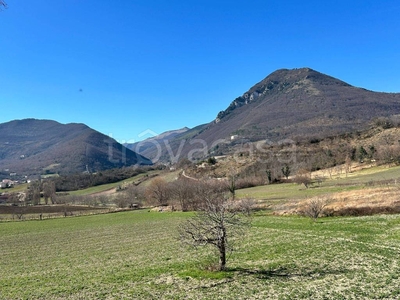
(124, 67)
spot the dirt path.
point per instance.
(188, 177)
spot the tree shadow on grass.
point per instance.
(284, 272)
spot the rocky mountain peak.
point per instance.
(280, 82)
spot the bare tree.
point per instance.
(314, 207)
(303, 176)
(14, 199)
(330, 171)
(136, 195)
(183, 191)
(49, 191)
(245, 205)
(19, 211)
(158, 191)
(2, 4)
(389, 154)
(33, 193)
(338, 170)
(103, 200)
(121, 200)
(319, 179)
(132, 197)
(347, 165)
(215, 224)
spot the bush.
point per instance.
(366, 211)
(385, 123)
(249, 182)
(212, 160)
(314, 208)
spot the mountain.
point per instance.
(149, 147)
(33, 146)
(298, 103)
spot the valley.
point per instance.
(311, 162)
(199, 150)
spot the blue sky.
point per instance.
(125, 67)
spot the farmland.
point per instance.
(371, 187)
(135, 255)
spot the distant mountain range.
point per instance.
(287, 104)
(296, 104)
(33, 146)
(150, 145)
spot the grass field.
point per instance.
(276, 194)
(168, 176)
(135, 255)
(111, 186)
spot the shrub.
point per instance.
(212, 160)
(314, 208)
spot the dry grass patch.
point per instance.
(367, 201)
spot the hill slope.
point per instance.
(33, 146)
(150, 146)
(291, 104)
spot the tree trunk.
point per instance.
(222, 258)
(222, 251)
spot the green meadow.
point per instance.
(359, 180)
(136, 255)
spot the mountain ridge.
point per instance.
(149, 147)
(35, 146)
(291, 97)
(289, 104)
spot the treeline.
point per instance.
(182, 194)
(82, 181)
